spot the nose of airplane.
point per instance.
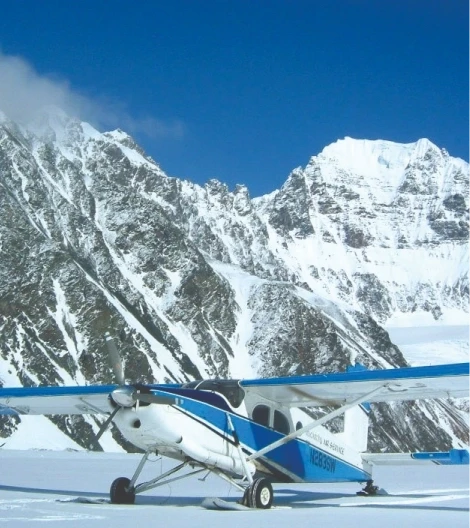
(149, 425)
(124, 396)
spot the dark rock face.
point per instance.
(355, 237)
(410, 426)
(373, 295)
(455, 203)
(290, 208)
(196, 282)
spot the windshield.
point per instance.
(228, 388)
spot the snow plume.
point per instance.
(24, 92)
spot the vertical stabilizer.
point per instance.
(356, 427)
(356, 422)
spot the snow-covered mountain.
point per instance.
(198, 281)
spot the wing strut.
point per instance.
(316, 423)
(248, 474)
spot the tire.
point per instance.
(120, 492)
(261, 494)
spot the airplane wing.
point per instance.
(440, 381)
(410, 383)
(56, 400)
(88, 399)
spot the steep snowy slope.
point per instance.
(380, 225)
(202, 282)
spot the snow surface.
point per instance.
(42, 487)
(432, 345)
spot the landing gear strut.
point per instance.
(123, 490)
(257, 494)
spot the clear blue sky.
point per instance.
(246, 90)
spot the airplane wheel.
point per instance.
(119, 492)
(260, 494)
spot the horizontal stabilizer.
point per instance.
(452, 457)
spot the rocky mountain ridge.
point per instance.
(203, 282)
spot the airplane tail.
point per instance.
(356, 421)
(356, 427)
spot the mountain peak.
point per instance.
(52, 124)
(367, 154)
(49, 116)
(364, 155)
(424, 145)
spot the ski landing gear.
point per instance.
(368, 490)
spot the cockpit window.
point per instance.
(261, 415)
(228, 388)
(281, 423)
(192, 384)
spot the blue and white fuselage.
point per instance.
(198, 426)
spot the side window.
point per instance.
(261, 415)
(298, 426)
(281, 423)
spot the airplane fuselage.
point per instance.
(199, 428)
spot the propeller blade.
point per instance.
(115, 361)
(106, 423)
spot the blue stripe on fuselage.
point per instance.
(297, 459)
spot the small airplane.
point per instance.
(251, 433)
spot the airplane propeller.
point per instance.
(115, 360)
(126, 396)
(105, 425)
